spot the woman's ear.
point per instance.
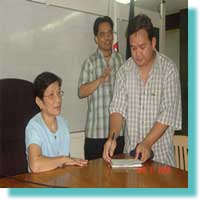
(39, 102)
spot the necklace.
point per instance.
(107, 56)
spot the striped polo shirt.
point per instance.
(97, 122)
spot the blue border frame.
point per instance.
(192, 184)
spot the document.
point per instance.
(120, 163)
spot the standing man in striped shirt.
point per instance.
(147, 95)
(96, 82)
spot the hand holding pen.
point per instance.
(109, 148)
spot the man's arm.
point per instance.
(116, 123)
(145, 146)
(87, 89)
(169, 115)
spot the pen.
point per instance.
(112, 139)
(113, 136)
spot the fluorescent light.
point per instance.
(124, 1)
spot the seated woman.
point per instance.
(47, 133)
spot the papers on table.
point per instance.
(120, 163)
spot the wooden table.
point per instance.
(99, 174)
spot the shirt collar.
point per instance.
(156, 60)
(155, 63)
(100, 53)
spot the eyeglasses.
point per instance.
(51, 96)
(105, 34)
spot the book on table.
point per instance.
(120, 163)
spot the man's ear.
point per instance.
(153, 42)
(96, 40)
(39, 102)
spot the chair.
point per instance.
(17, 106)
(181, 151)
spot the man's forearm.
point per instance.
(87, 89)
(155, 133)
(116, 123)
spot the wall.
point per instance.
(174, 22)
(172, 47)
(77, 145)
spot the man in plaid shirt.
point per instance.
(147, 95)
(96, 82)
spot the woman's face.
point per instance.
(51, 103)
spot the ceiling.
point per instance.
(171, 6)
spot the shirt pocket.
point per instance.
(153, 102)
(98, 72)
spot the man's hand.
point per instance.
(106, 74)
(143, 149)
(109, 148)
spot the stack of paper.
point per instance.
(118, 163)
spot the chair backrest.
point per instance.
(17, 106)
(181, 151)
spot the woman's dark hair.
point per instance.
(141, 21)
(42, 81)
(100, 20)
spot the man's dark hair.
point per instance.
(100, 20)
(42, 81)
(141, 21)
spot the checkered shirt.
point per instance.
(97, 122)
(159, 100)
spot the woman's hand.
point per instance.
(74, 161)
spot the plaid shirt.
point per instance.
(97, 123)
(159, 100)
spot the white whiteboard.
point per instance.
(36, 38)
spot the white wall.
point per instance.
(173, 45)
(98, 7)
(77, 145)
